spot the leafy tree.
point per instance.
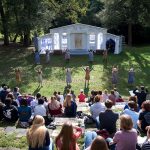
(129, 12)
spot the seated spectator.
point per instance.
(55, 107)
(146, 144)
(10, 112)
(61, 97)
(89, 136)
(105, 96)
(98, 143)
(108, 118)
(67, 138)
(97, 107)
(99, 93)
(35, 101)
(132, 113)
(134, 99)
(11, 96)
(73, 95)
(3, 94)
(40, 108)
(91, 98)
(70, 107)
(141, 95)
(24, 113)
(16, 92)
(38, 136)
(81, 96)
(112, 97)
(126, 138)
(116, 93)
(56, 95)
(144, 116)
(1, 110)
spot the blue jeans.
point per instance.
(89, 137)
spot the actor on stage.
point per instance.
(105, 57)
(18, 75)
(87, 75)
(47, 56)
(114, 75)
(67, 55)
(40, 78)
(91, 56)
(68, 76)
(131, 76)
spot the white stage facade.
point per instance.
(79, 39)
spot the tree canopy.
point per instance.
(21, 18)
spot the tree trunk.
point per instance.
(15, 38)
(26, 41)
(130, 34)
(4, 24)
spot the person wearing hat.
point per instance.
(131, 76)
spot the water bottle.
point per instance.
(83, 127)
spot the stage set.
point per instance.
(79, 39)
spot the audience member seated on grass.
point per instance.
(38, 136)
(134, 99)
(1, 110)
(61, 97)
(3, 94)
(40, 108)
(70, 107)
(24, 113)
(28, 97)
(54, 107)
(16, 92)
(144, 116)
(73, 95)
(89, 136)
(11, 96)
(108, 118)
(112, 97)
(141, 95)
(146, 144)
(99, 93)
(132, 113)
(10, 112)
(91, 98)
(96, 108)
(126, 138)
(81, 96)
(99, 143)
(67, 138)
(35, 101)
(105, 95)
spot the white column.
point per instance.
(88, 41)
(96, 40)
(68, 40)
(60, 40)
(52, 41)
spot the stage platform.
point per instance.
(79, 52)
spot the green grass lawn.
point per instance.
(54, 73)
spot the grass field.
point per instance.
(54, 73)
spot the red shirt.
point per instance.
(81, 97)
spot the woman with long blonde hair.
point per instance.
(38, 135)
(66, 139)
(70, 107)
